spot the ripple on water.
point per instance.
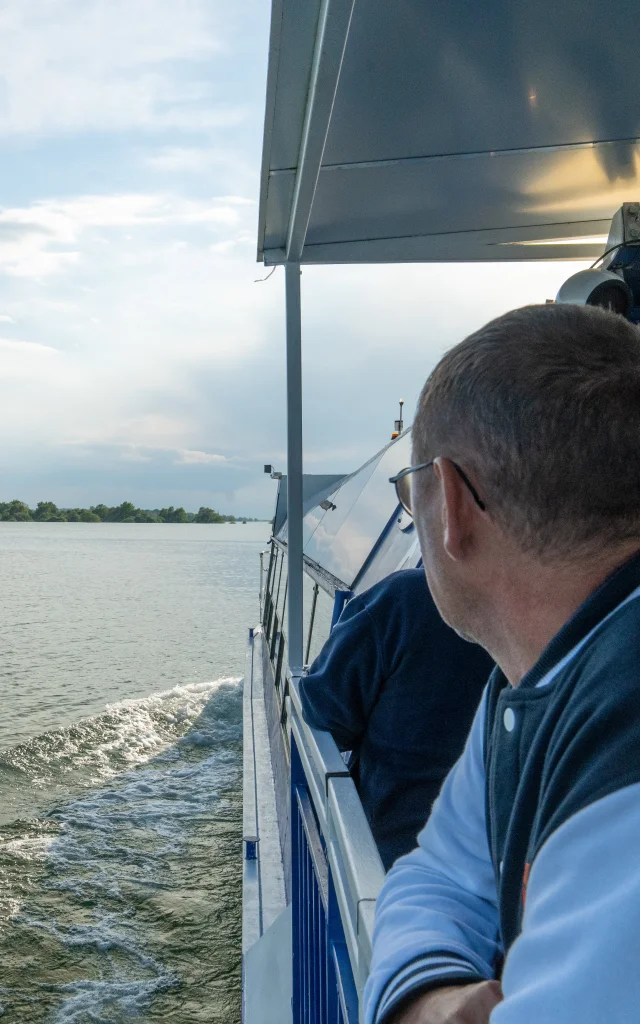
(123, 900)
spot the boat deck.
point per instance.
(266, 920)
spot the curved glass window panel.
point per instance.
(315, 489)
(320, 524)
(277, 588)
(280, 661)
(272, 581)
(350, 546)
(278, 625)
(308, 588)
(278, 581)
(399, 550)
(344, 498)
(270, 598)
(312, 521)
(282, 590)
(321, 624)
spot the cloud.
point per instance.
(186, 344)
(191, 457)
(84, 475)
(194, 160)
(46, 236)
(141, 361)
(182, 159)
(28, 349)
(111, 65)
(195, 167)
(129, 132)
(135, 452)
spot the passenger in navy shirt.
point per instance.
(399, 688)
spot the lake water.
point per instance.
(120, 769)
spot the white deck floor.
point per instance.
(264, 895)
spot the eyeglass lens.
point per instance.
(403, 490)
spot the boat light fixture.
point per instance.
(597, 288)
(573, 240)
(398, 425)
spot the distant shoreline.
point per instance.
(16, 511)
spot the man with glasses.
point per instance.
(521, 903)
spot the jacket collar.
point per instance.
(605, 599)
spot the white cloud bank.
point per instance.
(101, 65)
(138, 358)
(195, 458)
(45, 237)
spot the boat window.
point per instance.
(273, 558)
(365, 505)
(371, 513)
(280, 660)
(278, 648)
(271, 592)
(399, 550)
(321, 623)
(280, 600)
(282, 588)
(309, 606)
(325, 528)
(267, 606)
(278, 583)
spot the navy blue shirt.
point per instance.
(398, 687)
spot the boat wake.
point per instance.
(122, 897)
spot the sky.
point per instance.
(140, 357)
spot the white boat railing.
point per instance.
(344, 863)
(331, 861)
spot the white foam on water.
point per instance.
(89, 1000)
(127, 733)
(27, 849)
(9, 907)
(179, 751)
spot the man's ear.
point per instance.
(457, 512)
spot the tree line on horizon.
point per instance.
(47, 512)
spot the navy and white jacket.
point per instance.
(531, 855)
(395, 685)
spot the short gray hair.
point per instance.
(542, 407)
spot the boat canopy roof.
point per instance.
(447, 130)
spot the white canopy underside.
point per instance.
(439, 130)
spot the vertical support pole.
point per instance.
(294, 467)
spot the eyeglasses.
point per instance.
(403, 484)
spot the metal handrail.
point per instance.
(356, 869)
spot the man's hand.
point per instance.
(453, 1004)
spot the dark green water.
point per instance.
(120, 822)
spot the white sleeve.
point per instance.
(436, 917)
(577, 959)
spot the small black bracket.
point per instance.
(251, 849)
(335, 775)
